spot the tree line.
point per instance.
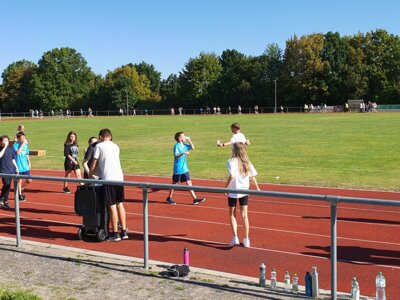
(313, 68)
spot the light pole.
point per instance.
(275, 96)
(127, 112)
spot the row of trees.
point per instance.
(314, 68)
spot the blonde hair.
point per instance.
(239, 152)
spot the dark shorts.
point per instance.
(70, 166)
(242, 201)
(180, 177)
(112, 194)
(25, 173)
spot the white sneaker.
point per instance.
(234, 241)
(246, 243)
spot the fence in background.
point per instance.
(145, 186)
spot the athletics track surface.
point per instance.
(285, 234)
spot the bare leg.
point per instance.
(67, 175)
(114, 217)
(243, 210)
(78, 174)
(121, 215)
(232, 217)
(171, 192)
(189, 183)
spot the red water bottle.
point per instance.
(186, 256)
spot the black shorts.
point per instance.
(112, 194)
(70, 166)
(180, 177)
(242, 201)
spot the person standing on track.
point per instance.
(88, 159)
(71, 163)
(106, 158)
(241, 171)
(181, 170)
(23, 162)
(236, 137)
(7, 166)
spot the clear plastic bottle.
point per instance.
(295, 284)
(355, 290)
(286, 280)
(273, 279)
(380, 287)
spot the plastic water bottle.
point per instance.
(273, 279)
(355, 290)
(286, 280)
(186, 255)
(315, 288)
(380, 287)
(308, 284)
(295, 284)
(262, 275)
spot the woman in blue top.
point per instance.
(71, 163)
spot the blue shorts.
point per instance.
(25, 173)
(180, 177)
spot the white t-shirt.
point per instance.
(107, 155)
(239, 181)
(238, 137)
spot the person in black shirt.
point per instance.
(7, 166)
(88, 159)
(71, 163)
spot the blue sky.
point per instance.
(167, 33)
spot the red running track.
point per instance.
(286, 234)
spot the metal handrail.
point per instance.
(332, 199)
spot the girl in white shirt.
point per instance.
(240, 171)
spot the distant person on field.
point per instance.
(106, 159)
(181, 170)
(239, 110)
(71, 162)
(237, 137)
(23, 162)
(7, 166)
(240, 172)
(89, 157)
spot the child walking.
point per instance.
(7, 166)
(23, 162)
(71, 163)
(181, 170)
(241, 171)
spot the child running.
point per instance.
(240, 171)
(71, 163)
(181, 170)
(23, 162)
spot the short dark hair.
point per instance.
(105, 132)
(5, 137)
(177, 135)
(91, 139)
(19, 134)
(235, 126)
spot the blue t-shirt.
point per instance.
(180, 164)
(21, 159)
(6, 161)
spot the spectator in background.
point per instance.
(239, 110)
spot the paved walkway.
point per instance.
(55, 272)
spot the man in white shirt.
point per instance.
(106, 158)
(236, 137)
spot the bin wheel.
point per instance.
(101, 235)
(80, 233)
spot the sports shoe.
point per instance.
(234, 241)
(246, 243)
(22, 198)
(66, 190)
(5, 204)
(170, 201)
(124, 235)
(198, 200)
(114, 238)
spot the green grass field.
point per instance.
(340, 150)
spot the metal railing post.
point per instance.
(17, 217)
(146, 227)
(334, 200)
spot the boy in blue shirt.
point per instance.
(181, 170)
(23, 162)
(7, 166)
